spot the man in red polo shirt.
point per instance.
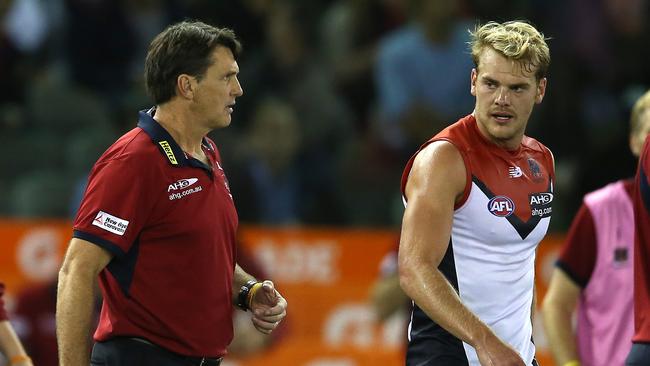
(157, 223)
(640, 352)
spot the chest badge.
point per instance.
(501, 206)
(535, 170)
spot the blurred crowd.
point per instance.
(337, 95)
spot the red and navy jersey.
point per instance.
(642, 248)
(502, 216)
(3, 312)
(170, 223)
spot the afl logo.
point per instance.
(501, 206)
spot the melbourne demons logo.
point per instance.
(501, 206)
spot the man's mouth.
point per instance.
(502, 116)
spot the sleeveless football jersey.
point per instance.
(504, 213)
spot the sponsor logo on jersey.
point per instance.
(169, 152)
(501, 206)
(185, 193)
(540, 204)
(181, 184)
(543, 198)
(110, 223)
(183, 188)
(515, 172)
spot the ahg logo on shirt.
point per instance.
(110, 223)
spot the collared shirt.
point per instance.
(170, 223)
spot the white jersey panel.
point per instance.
(495, 271)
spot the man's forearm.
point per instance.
(437, 298)
(559, 332)
(74, 307)
(9, 342)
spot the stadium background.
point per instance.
(315, 126)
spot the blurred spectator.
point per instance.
(350, 31)
(100, 45)
(422, 74)
(386, 295)
(10, 345)
(268, 188)
(289, 68)
(35, 319)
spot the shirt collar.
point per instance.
(168, 147)
(166, 144)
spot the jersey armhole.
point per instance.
(468, 173)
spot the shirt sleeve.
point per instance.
(117, 204)
(3, 312)
(578, 255)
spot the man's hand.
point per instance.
(268, 308)
(495, 352)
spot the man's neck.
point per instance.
(182, 127)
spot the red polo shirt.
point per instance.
(170, 222)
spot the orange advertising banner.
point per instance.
(325, 274)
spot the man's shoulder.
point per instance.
(535, 145)
(609, 194)
(133, 149)
(458, 133)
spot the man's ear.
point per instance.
(541, 90)
(472, 80)
(185, 86)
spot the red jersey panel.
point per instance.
(487, 164)
(170, 222)
(642, 248)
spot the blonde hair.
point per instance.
(516, 40)
(641, 105)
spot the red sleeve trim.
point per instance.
(578, 255)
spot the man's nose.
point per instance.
(238, 91)
(503, 97)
